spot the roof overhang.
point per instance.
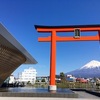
(9, 41)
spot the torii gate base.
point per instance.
(54, 38)
(52, 88)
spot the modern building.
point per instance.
(28, 75)
(47, 78)
(40, 78)
(12, 79)
(12, 54)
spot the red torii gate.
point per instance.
(54, 38)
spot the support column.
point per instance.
(52, 86)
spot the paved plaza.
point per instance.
(82, 95)
(37, 98)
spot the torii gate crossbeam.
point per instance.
(54, 38)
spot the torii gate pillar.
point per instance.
(52, 86)
(53, 39)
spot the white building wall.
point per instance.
(11, 79)
(28, 75)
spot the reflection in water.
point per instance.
(32, 90)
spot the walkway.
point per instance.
(40, 98)
(83, 94)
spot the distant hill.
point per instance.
(90, 70)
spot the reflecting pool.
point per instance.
(33, 90)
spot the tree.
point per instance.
(62, 76)
(28, 82)
(43, 80)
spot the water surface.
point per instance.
(32, 90)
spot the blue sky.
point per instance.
(20, 16)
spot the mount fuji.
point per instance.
(90, 70)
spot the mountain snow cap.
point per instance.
(91, 64)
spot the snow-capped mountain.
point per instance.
(91, 69)
(91, 64)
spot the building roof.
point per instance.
(9, 41)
